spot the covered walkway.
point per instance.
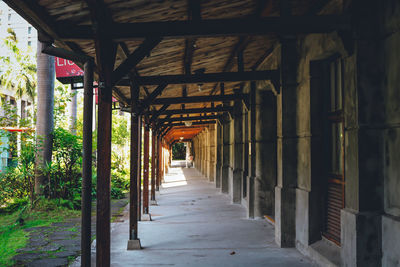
(195, 225)
(289, 107)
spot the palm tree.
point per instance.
(18, 73)
(44, 119)
(18, 69)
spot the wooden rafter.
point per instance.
(196, 110)
(151, 97)
(190, 118)
(134, 58)
(157, 113)
(197, 99)
(205, 78)
(212, 28)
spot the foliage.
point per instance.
(119, 176)
(120, 131)
(179, 151)
(62, 96)
(64, 172)
(18, 182)
(18, 68)
(10, 117)
(119, 157)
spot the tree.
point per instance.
(44, 119)
(18, 69)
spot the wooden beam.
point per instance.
(205, 78)
(134, 58)
(158, 113)
(166, 131)
(121, 96)
(67, 54)
(190, 118)
(194, 14)
(212, 28)
(196, 110)
(147, 102)
(194, 123)
(197, 99)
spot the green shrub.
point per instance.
(64, 172)
(117, 193)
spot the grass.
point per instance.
(13, 236)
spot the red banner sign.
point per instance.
(66, 68)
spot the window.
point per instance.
(29, 43)
(29, 30)
(9, 17)
(334, 138)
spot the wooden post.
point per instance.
(134, 161)
(87, 165)
(103, 215)
(146, 167)
(134, 242)
(153, 163)
(158, 170)
(140, 121)
(162, 161)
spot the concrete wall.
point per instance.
(389, 102)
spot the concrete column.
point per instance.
(252, 152)
(208, 146)
(285, 191)
(246, 155)
(226, 141)
(218, 165)
(206, 153)
(201, 149)
(199, 154)
(238, 160)
(371, 148)
(205, 150)
(265, 154)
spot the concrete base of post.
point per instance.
(134, 244)
(146, 217)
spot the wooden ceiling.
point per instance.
(171, 56)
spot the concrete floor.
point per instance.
(195, 225)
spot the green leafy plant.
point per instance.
(64, 172)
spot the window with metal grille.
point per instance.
(334, 167)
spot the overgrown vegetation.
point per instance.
(179, 151)
(20, 208)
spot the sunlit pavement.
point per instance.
(194, 225)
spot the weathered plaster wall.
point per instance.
(391, 133)
(309, 195)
